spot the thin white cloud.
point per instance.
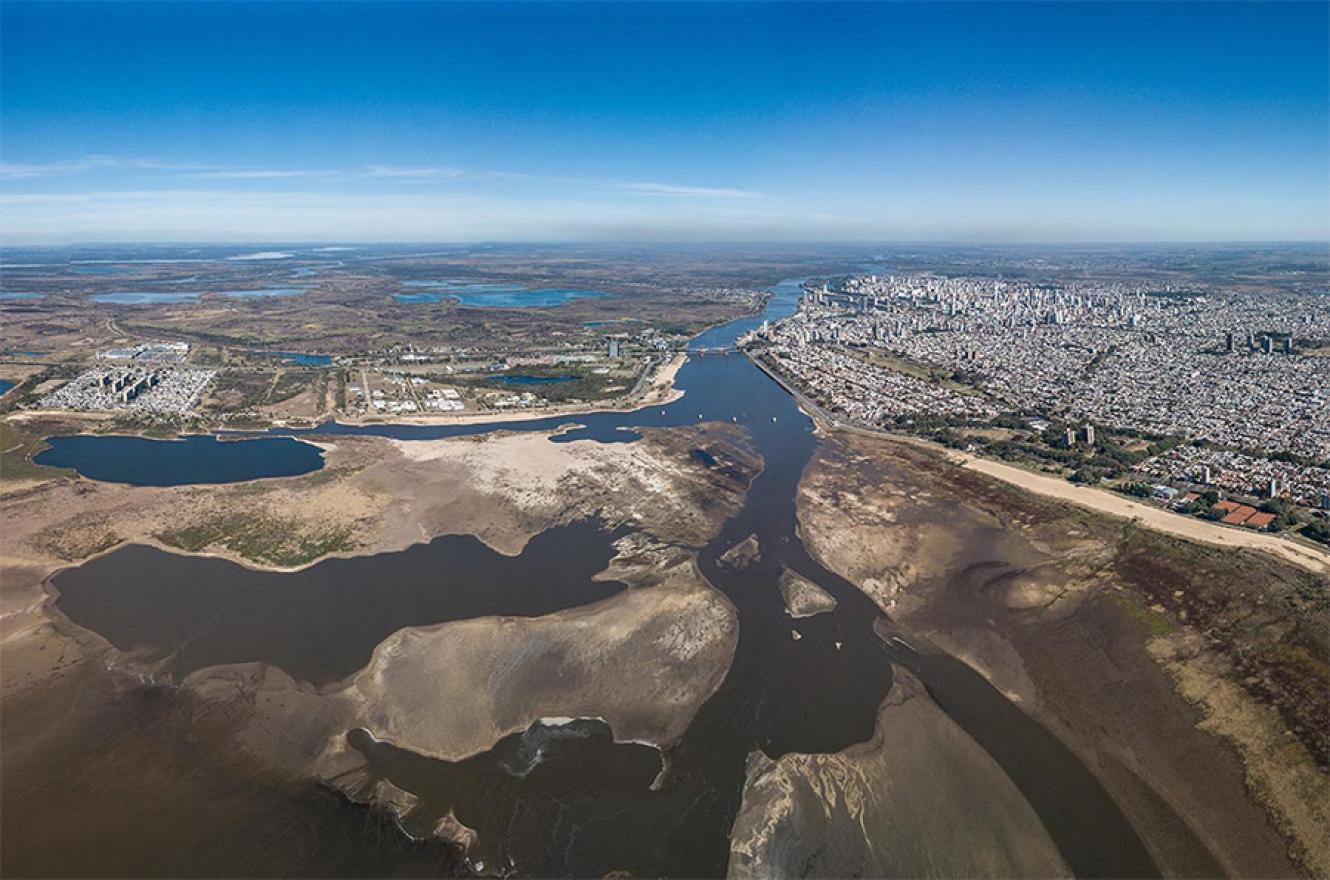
(22, 170)
(262, 174)
(399, 171)
(40, 198)
(674, 191)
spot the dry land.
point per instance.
(644, 659)
(1191, 682)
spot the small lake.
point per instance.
(200, 458)
(264, 292)
(5, 385)
(486, 295)
(14, 294)
(103, 270)
(304, 360)
(144, 297)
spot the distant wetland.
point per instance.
(475, 294)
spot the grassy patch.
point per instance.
(1154, 623)
(269, 539)
(16, 450)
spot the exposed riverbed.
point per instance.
(795, 686)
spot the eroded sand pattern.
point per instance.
(791, 654)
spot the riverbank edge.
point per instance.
(661, 383)
(1181, 671)
(1157, 519)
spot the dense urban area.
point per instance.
(1183, 394)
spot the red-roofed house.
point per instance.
(1239, 515)
(1259, 520)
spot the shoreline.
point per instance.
(661, 385)
(660, 392)
(1089, 497)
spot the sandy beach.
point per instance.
(1152, 517)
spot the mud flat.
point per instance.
(921, 798)
(803, 598)
(270, 744)
(1190, 681)
(644, 661)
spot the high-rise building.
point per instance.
(614, 348)
(1088, 433)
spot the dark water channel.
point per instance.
(321, 624)
(567, 800)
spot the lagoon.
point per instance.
(199, 458)
(304, 360)
(143, 297)
(263, 292)
(485, 295)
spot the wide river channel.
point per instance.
(568, 800)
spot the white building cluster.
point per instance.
(158, 390)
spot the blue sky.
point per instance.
(747, 121)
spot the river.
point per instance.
(590, 805)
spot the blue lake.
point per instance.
(305, 360)
(201, 458)
(417, 297)
(264, 291)
(143, 297)
(5, 385)
(8, 294)
(499, 296)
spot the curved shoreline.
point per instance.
(1157, 519)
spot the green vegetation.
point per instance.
(17, 447)
(289, 383)
(584, 384)
(960, 381)
(1153, 622)
(342, 377)
(261, 538)
(234, 390)
(1317, 530)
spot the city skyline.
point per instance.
(745, 122)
